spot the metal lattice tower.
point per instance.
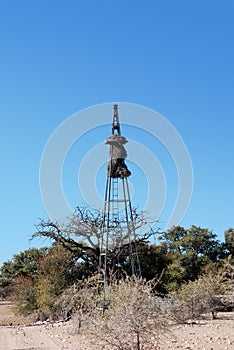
(118, 228)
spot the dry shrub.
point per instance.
(122, 316)
(80, 300)
(204, 295)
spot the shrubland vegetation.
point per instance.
(185, 273)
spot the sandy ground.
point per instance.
(204, 335)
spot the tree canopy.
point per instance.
(37, 277)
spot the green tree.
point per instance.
(153, 260)
(22, 264)
(229, 241)
(201, 247)
(38, 277)
(173, 238)
(56, 271)
(174, 275)
(190, 249)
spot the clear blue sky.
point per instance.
(58, 57)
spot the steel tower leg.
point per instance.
(112, 224)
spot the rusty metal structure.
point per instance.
(118, 226)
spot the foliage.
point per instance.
(38, 290)
(22, 264)
(174, 276)
(21, 269)
(38, 278)
(229, 241)
(24, 294)
(190, 251)
(153, 262)
(55, 272)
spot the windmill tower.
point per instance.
(118, 227)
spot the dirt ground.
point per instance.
(17, 333)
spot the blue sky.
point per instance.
(59, 57)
